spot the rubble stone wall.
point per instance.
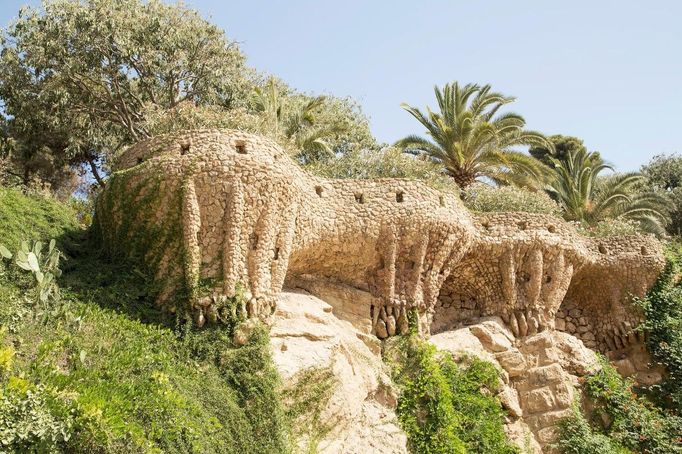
(211, 211)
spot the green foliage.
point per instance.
(305, 400)
(663, 322)
(77, 77)
(30, 419)
(44, 268)
(471, 141)
(618, 420)
(562, 148)
(628, 419)
(312, 128)
(586, 196)
(385, 163)
(444, 407)
(83, 208)
(576, 436)
(663, 175)
(34, 217)
(484, 198)
(610, 227)
(186, 116)
(115, 376)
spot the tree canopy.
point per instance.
(561, 147)
(664, 176)
(78, 76)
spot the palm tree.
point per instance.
(471, 141)
(292, 119)
(587, 197)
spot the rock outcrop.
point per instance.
(360, 413)
(540, 374)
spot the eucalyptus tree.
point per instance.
(587, 196)
(472, 140)
(78, 76)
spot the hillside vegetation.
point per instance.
(106, 373)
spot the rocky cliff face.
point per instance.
(539, 374)
(360, 413)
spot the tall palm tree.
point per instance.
(586, 196)
(471, 141)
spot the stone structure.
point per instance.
(216, 213)
(211, 211)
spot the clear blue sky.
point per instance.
(606, 71)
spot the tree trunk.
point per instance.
(95, 172)
(463, 178)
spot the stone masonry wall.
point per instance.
(210, 211)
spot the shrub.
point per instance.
(610, 227)
(662, 308)
(627, 419)
(576, 436)
(27, 423)
(483, 198)
(385, 163)
(444, 407)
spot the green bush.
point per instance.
(385, 163)
(483, 198)
(610, 227)
(628, 420)
(444, 407)
(29, 421)
(578, 437)
(663, 322)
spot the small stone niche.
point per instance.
(318, 191)
(441, 200)
(240, 147)
(359, 197)
(184, 148)
(522, 225)
(643, 251)
(602, 249)
(551, 229)
(400, 196)
(140, 160)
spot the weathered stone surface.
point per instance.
(541, 375)
(361, 410)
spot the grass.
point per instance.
(115, 375)
(35, 217)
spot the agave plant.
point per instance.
(588, 197)
(470, 139)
